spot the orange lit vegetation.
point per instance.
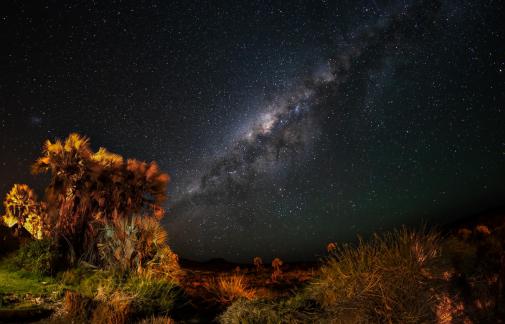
(23, 210)
(89, 190)
(331, 247)
(404, 276)
(99, 226)
(277, 271)
(101, 212)
(258, 264)
(228, 288)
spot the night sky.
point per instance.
(283, 125)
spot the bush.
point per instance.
(115, 310)
(108, 297)
(384, 280)
(296, 309)
(257, 311)
(76, 306)
(151, 296)
(138, 245)
(38, 256)
(230, 288)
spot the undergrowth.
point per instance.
(383, 280)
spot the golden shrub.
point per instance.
(228, 288)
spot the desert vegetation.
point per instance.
(93, 250)
(403, 276)
(96, 233)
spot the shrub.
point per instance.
(164, 264)
(296, 309)
(88, 189)
(151, 296)
(228, 288)
(138, 245)
(38, 256)
(76, 306)
(383, 280)
(109, 297)
(114, 310)
(258, 264)
(277, 271)
(256, 311)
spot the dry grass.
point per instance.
(157, 320)
(76, 306)
(116, 310)
(383, 280)
(228, 288)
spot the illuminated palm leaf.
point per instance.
(23, 209)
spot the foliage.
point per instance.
(138, 244)
(23, 209)
(38, 256)
(14, 280)
(91, 189)
(111, 298)
(256, 311)
(383, 280)
(277, 271)
(296, 309)
(115, 310)
(151, 296)
(77, 306)
(157, 320)
(228, 288)
(331, 247)
(258, 263)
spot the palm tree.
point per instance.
(68, 163)
(89, 190)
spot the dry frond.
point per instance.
(107, 159)
(76, 143)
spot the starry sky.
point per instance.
(284, 125)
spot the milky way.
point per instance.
(284, 126)
(252, 179)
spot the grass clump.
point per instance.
(383, 280)
(228, 288)
(152, 295)
(295, 309)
